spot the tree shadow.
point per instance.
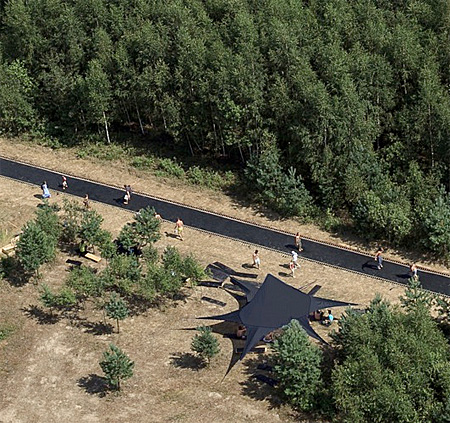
(94, 384)
(98, 328)
(260, 383)
(187, 361)
(41, 316)
(14, 273)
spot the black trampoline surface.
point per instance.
(221, 225)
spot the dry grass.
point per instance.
(50, 371)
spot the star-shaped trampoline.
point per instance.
(272, 306)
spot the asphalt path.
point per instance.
(225, 226)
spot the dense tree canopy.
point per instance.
(352, 95)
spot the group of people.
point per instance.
(319, 316)
(293, 264)
(413, 270)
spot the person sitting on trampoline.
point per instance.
(241, 332)
(329, 319)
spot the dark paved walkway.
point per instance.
(224, 226)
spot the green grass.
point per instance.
(5, 331)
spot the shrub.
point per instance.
(143, 162)
(122, 273)
(205, 344)
(84, 282)
(117, 366)
(379, 218)
(106, 152)
(171, 168)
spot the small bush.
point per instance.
(205, 344)
(171, 168)
(208, 178)
(106, 152)
(5, 331)
(117, 366)
(143, 162)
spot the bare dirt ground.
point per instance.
(66, 161)
(49, 372)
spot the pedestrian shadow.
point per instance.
(286, 266)
(404, 276)
(248, 266)
(369, 265)
(171, 235)
(38, 196)
(284, 274)
(291, 247)
(119, 201)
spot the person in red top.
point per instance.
(379, 258)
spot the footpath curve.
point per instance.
(227, 226)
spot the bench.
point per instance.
(8, 248)
(92, 257)
(260, 349)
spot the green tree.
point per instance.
(47, 220)
(34, 248)
(17, 113)
(117, 366)
(297, 367)
(116, 308)
(205, 344)
(71, 220)
(90, 230)
(122, 274)
(415, 297)
(391, 365)
(84, 281)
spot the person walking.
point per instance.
(126, 198)
(413, 270)
(64, 183)
(298, 241)
(179, 227)
(292, 268)
(86, 202)
(295, 259)
(256, 259)
(128, 191)
(379, 258)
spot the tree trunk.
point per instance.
(139, 116)
(106, 128)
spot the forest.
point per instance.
(330, 107)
